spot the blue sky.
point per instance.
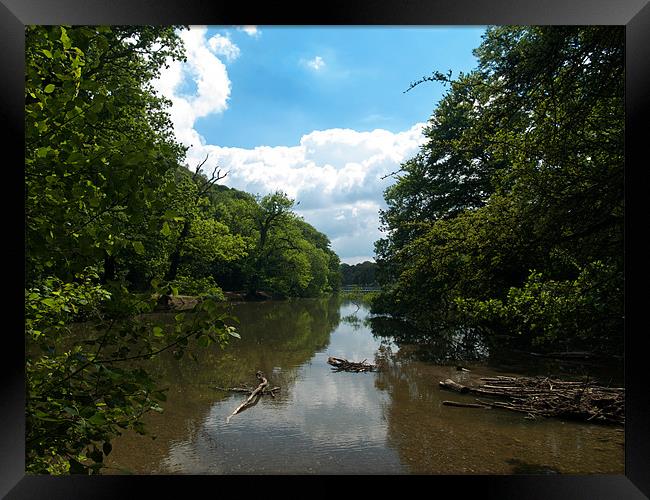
(318, 112)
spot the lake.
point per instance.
(391, 421)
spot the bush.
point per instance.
(203, 287)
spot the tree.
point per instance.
(517, 195)
(97, 141)
(98, 149)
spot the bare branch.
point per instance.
(392, 173)
(200, 167)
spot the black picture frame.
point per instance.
(15, 14)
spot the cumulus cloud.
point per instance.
(316, 63)
(223, 46)
(251, 31)
(210, 76)
(336, 174)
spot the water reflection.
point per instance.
(391, 421)
(321, 421)
(440, 346)
(433, 438)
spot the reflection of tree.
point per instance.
(442, 345)
(276, 338)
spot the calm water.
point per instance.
(322, 422)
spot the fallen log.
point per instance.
(464, 405)
(340, 364)
(257, 392)
(246, 390)
(543, 396)
(454, 386)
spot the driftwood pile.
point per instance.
(543, 396)
(254, 394)
(339, 365)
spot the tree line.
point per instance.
(509, 220)
(362, 274)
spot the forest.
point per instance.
(507, 223)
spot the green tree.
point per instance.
(517, 195)
(97, 141)
(98, 150)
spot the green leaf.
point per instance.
(165, 231)
(50, 302)
(65, 39)
(47, 53)
(49, 88)
(158, 332)
(97, 419)
(138, 247)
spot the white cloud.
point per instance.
(251, 31)
(316, 63)
(336, 174)
(223, 46)
(209, 75)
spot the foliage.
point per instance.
(97, 141)
(362, 273)
(282, 254)
(84, 382)
(511, 215)
(189, 285)
(98, 151)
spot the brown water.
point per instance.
(322, 422)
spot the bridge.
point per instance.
(360, 288)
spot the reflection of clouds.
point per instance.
(182, 458)
(325, 422)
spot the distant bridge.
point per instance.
(360, 288)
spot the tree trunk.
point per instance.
(109, 269)
(175, 258)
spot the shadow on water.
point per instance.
(521, 467)
(447, 346)
(440, 346)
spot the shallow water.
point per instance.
(323, 422)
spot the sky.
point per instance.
(320, 113)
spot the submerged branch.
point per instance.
(254, 395)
